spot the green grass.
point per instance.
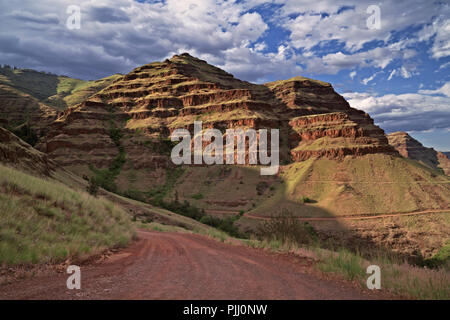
(441, 258)
(344, 262)
(44, 221)
(397, 277)
(172, 175)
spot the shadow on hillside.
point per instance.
(332, 233)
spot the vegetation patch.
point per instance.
(105, 178)
(186, 209)
(440, 259)
(24, 132)
(285, 228)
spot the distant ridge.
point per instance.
(410, 148)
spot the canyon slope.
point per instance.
(335, 160)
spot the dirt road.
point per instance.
(187, 266)
(355, 217)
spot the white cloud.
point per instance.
(379, 57)
(405, 73)
(118, 35)
(444, 90)
(365, 81)
(352, 74)
(443, 66)
(440, 30)
(392, 74)
(406, 112)
(324, 21)
(315, 23)
(402, 72)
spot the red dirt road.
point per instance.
(187, 266)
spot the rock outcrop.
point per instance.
(410, 148)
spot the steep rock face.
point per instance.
(155, 99)
(410, 148)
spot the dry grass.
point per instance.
(399, 278)
(44, 221)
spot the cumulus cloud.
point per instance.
(314, 21)
(118, 35)
(420, 111)
(334, 62)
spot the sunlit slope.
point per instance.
(370, 184)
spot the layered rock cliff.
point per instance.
(410, 148)
(331, 153)
(153, 100)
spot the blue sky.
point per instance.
(394, 65)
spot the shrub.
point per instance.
(197, 196)
(92, 188)
(134, 194)
(287, 228)
(306, 200)
(115, 134)
(25, 133)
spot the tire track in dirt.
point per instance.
(187, 266)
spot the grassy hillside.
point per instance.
(57, 91)
(373, 184)
(45, 221)
(367, 185)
